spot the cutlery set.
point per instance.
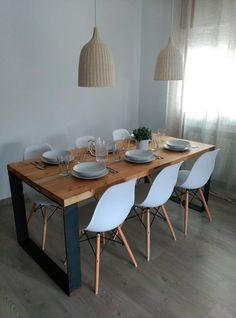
(113, 171)
(38, 164)
(158, 157)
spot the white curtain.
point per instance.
(203, 107)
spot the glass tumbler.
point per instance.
(64, 165)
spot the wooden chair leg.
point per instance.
(117, 232)
(148, 235)
(168, 222)
(97, 263)
(205, 204)
(45, 224)
(186, 213)
(34, 205)
(121, 233)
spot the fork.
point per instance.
(113, 171)
(158, 157)
(37, 165)
(40, 164)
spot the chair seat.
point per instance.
(141, 192)
(182, 177)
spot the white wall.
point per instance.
(39, 52)
(156, 25)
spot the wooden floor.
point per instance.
(191, 278)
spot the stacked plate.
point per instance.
(177, 145)
(51, 157)
(139, 156)
(89, 170)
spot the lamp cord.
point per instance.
(172, 17)
(95, 12)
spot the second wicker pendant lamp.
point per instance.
(169, 64)
(96, 66)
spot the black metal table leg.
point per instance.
(72, 244)
(68, 282)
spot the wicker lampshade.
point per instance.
(169, 64)
(96, 66)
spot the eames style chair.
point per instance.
(82, 142)
(195, 179)
(152, 197)
(108, 214)
(40, 202)
(120, 134)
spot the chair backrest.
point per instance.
(119, 134)
(113, 207)
(162, 187)
(201, 170)
(35, 151)
(82, 142)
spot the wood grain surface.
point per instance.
(69, 190)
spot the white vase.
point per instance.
(143, 144)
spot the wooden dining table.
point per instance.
(68, 191)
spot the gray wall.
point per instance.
(39, 53)
(156, 25)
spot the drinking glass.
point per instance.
(116, 151)
(155, 142)
(64, 165)
(101, 150)
(125, 144)
(161, 132)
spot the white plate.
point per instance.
(139, 154)
(139, 161)
(52, 155)
(178, 144)
(89, 169)
(174, 149)
(74, 174)
(49, 162)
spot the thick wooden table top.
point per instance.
(69, 190)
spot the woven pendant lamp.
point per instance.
(169, 64)
(96, 66)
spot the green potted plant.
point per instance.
(142, 135)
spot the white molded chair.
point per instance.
(155, 195)
(195, 179)
(109, 213)
(82, 142)
(39, 200)
(119, 134)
